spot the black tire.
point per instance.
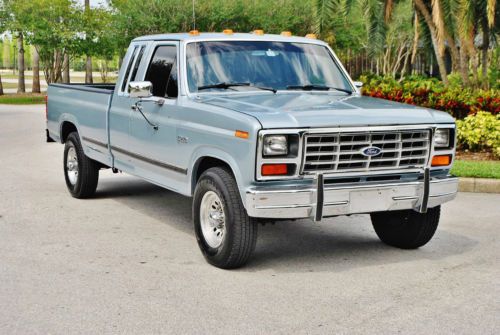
(240, 230)
(406, 229)
(87, 173)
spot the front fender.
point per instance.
(213, 152)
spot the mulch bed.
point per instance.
(475, 156)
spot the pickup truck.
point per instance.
(257, 128)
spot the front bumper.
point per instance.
(323, 199)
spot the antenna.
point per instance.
(194, 17)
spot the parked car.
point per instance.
(255, 128)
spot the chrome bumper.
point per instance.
(323, 200)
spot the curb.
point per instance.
(479, 185)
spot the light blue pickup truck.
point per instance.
(257, 128)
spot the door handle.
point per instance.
(137, 107)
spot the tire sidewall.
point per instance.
(210, 181)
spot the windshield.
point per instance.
(264, 64)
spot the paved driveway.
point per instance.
(127, 262)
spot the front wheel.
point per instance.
(81, 173)
(406, 229)
(226, 234)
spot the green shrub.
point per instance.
(480, 132)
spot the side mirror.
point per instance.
(358, 84)
(140, 89)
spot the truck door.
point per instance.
(152, 139)
(119, 114)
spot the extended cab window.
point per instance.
(127, 72)
(162, 71)
(137, 63)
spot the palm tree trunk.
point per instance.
(464, 66)
(66, 78)
(484, 51)
(1, 86)
(454, 51)
(35, 87)
(432, 29)
(21, 88)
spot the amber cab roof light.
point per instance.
(194, 33)
(228, 31)
(313, 36)
(258, 32)
(286, 33)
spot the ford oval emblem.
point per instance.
(371, 151)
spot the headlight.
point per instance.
(275, 145)
(442, 138)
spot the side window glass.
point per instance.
(162, 72)
(127, 72)
(137, 63)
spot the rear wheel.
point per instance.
(406, 229)
(226, 234)
(81, 173)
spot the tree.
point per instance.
(65, 69)
(2, 28)
(35, 88)
(88, 64)
(11, 22)
(435, 23)
(6, 53)
(52, 27)
(21, 88)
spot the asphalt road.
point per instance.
(127, 262)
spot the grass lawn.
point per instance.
(22, 99)
(478, 169)
(14, 85)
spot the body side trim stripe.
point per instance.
(150, 161)
(96, 142)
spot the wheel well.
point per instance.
(66, 129)
(206, 163)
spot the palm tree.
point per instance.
(434, 20)
(472, 16)
(451, 25)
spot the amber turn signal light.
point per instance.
(274, 169)
(442, 160)
(241, 134)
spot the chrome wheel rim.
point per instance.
(212, 219)
(72, 165)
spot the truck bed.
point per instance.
(85, 106)
(87, 87)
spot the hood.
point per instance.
(320, 109)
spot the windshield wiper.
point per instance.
(224, 85)
(311, 87)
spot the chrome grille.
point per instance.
(342, 152)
